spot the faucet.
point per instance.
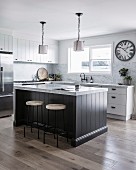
(82, 75)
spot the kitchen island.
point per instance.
(85, 114)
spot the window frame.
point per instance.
(92, 72)
(101, 72)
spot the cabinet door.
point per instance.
(1, 42)
(10, 46)
(118, 90)
(21, 50)
(36, 56)
(114, 98)
(116, 109)
(15, 49)
(6, 43)
(27, 50)
(53, 54)
(31, 58)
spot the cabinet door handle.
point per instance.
(113, 89)
(113, 107)
(113, 97)
(1, 48)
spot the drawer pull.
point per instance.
(113, 89)
(113, 107)
(113, 97)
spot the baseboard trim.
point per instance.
(85, 138)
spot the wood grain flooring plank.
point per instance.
(114, 150)
(87, 153)
(12, 163)
(3, 167)
(68, 156)
(30, 155)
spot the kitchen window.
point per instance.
(94, 59)
(78, 61)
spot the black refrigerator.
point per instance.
(6, 84)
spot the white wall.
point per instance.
(62, 67)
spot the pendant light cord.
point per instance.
(78, 28)
(42, 33)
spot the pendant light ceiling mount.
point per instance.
(79, 14)
(43, 48)
(78, 45)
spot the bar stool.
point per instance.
(33, 104)
(56, 107)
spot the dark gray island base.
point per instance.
(85, 114)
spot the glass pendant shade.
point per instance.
(78, 45)
(43, 49)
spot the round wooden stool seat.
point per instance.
(34, 103)
(55, 106)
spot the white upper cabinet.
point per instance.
(6, 43)
(27, 51)
(36, 55)
(15, 49)
(52, 54)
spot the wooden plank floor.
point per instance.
(114, 150)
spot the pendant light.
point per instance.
(43, 48)
(78, 45)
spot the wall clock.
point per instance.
(125, 50)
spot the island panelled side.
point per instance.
(85, 115)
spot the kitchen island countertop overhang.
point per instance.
(85, 112)
(61, 89)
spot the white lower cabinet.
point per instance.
(120, 102)
(116, 109)
(114, 98)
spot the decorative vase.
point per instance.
(127, 82)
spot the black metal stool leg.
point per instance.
(57, 139)
(48, 119)
(24, 132)
(37, 122)
(63, 121)
(64, 125)
(44, 125)
(27, 119)
(32, 120)
(44, 136)
(55, 125)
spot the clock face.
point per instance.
(125, 50)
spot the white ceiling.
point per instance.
(100, 17)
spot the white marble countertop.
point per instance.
(60, 89)
(91, 84)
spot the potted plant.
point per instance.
(123, 72)
(127, 80)
(58, 77)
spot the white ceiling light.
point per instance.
(79, 45)
(43, 48)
